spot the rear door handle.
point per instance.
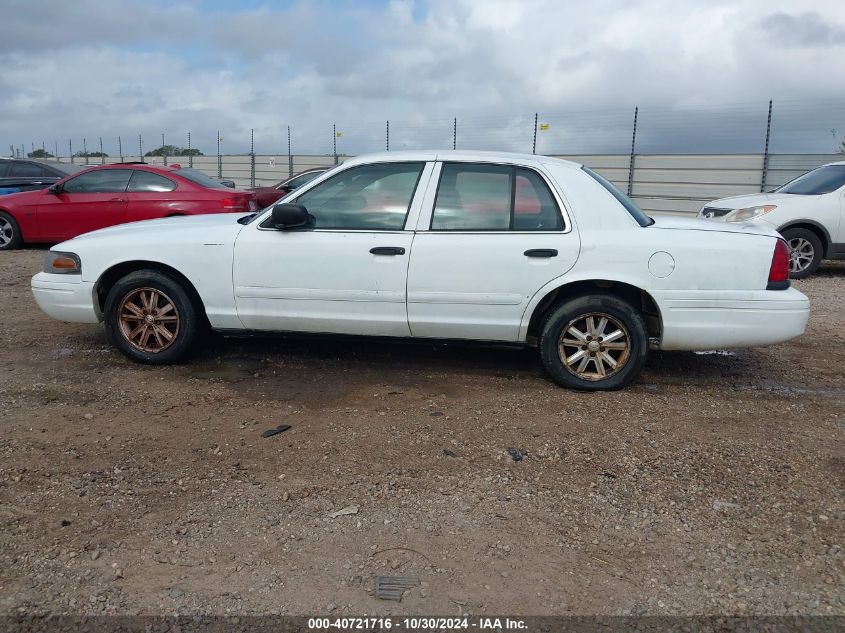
(541, 252)
(387, 250)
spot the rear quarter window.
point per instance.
(199, 178)
(633, 210)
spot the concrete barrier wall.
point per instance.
(669, 183)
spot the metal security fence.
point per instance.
(669, 159)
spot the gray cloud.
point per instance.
(701, 77)
(803, 30)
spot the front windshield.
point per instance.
(817, 182)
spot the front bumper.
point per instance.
(700, 320)
(66, 297)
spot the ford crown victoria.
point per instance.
(439, 245)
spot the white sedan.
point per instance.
(439, 245)
(809, 212)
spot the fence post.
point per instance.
(190, 154)
(219, 158)
(387, 136)
(766, 150)
(163, 150)
(120, 148)
(70, 149)
(56, 143)
(290, 157)
(102, 154)
(633, 147)
(252, 157)
(140, 149)
(85, 149)
(534, 146)
(455, 133)
(334, 142)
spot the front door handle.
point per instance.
(387, 250)
(541, 252)
(117, 200)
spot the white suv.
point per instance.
(807, 211)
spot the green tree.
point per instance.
(173, 150)
(40, 153)
(83, 154)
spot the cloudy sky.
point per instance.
(701, 72)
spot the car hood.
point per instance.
(752, 200)
(212, 227)
(701, 224)
(22, 198)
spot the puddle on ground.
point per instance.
(229, 368)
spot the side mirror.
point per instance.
(288, 216)
(55, 189)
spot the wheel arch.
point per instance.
(815, 227)
(112, 275)
(634, 295)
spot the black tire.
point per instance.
(811, 252)
(139, 288)
(11, 237)
(568, 315)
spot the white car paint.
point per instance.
(823, 213)
(708, 280)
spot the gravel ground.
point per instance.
(714, 485)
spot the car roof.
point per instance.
(459, 155)
(839, 162)
(65, 168)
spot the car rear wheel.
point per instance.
(594, 343)
(150, 318)
(805, 252)
(10, 232)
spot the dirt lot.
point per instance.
(713, 485)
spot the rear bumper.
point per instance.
(66, 297)
(700, 320)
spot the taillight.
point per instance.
(240, 203)
(779, 270)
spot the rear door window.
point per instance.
(486, 197)
(28, 170)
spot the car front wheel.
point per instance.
(805, 252)
(594, 343)
(10, 232)
(150, 317)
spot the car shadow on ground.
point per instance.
(237, 358)
(831, 268)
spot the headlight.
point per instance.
(750, 213)
(59, 263)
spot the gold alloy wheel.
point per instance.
(594, 346)
(148, 319)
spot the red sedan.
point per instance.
(113, 194)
